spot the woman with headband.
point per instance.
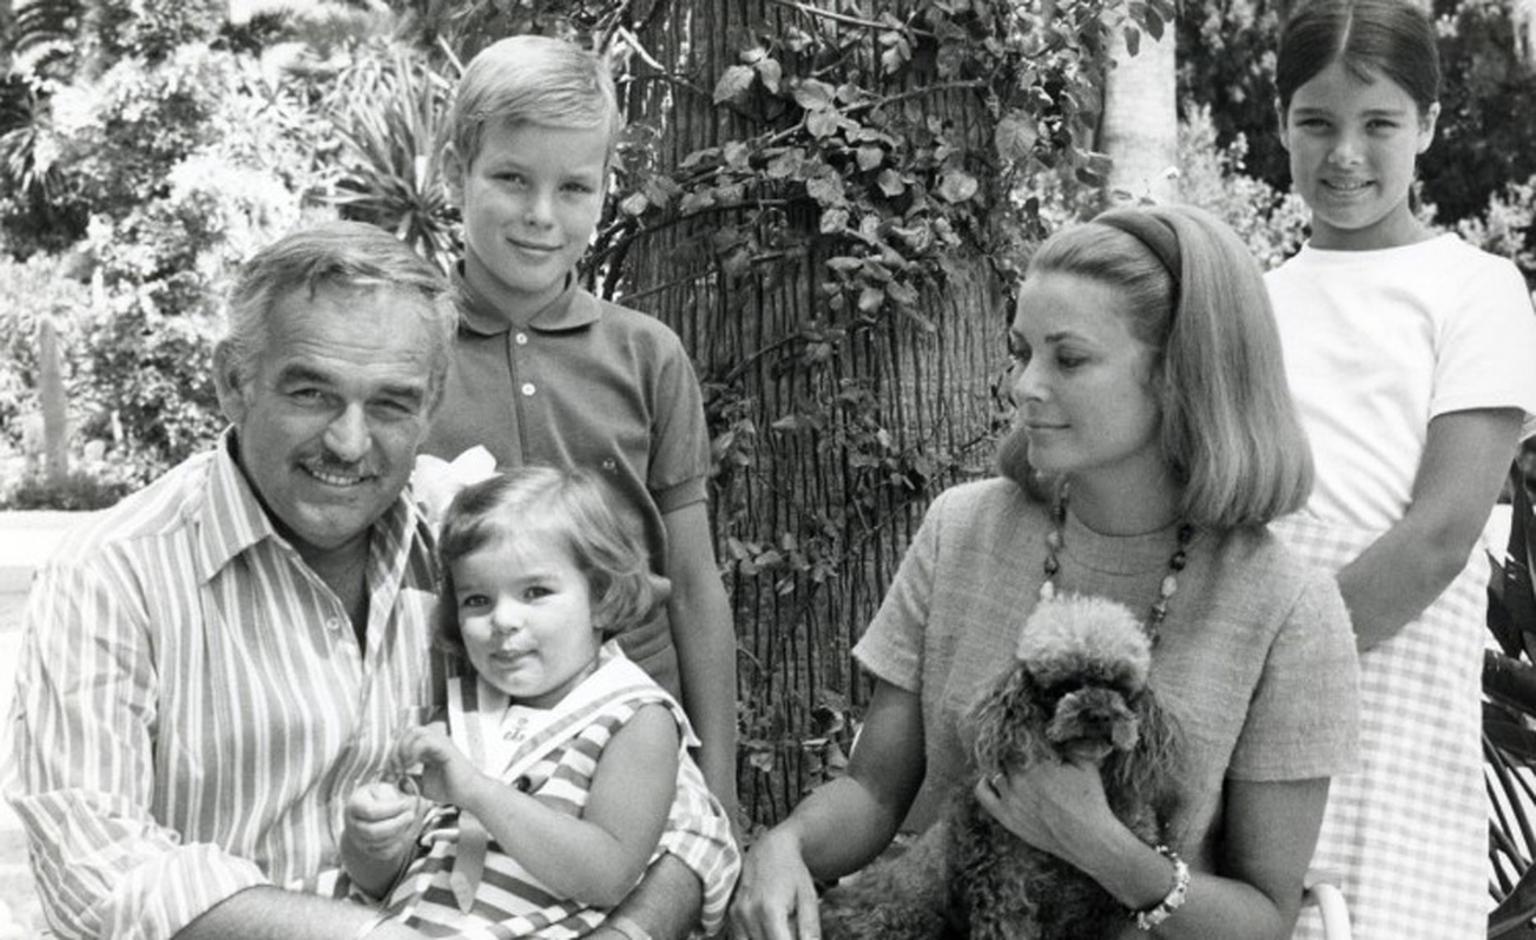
(1155, 438)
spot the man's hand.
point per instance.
(776, 897)
(379, 819)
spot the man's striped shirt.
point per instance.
(193, 707)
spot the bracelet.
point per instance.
(627, 927)
(374, 923)
(1146, 920)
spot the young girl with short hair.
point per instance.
(561, 758)
(1412, 358)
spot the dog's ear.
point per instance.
(1010, 727)
(1155, 767)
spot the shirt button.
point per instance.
(610, 465)
(333, 624)
(528, 388)
(520, 339)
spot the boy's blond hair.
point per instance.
(532, 80)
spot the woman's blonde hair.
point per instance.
(575, 506)
(1230, 434)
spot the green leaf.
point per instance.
(891, 183)
(659, 190)
(737, 155)
(822, 124)
(870, 299)
(734, 83)
(957, 186)
(786, 164)
(696, 201)
(813, 95)
(870, 157)
(827, 190)
(772, 74)
(635, 204)
(1015, 136)
(833, 221)
(1132, 40)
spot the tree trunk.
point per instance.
(1140, 127)
(50, 393)
(812, 526)
(1524, 12)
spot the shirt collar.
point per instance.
(572, 309)
(231, 519)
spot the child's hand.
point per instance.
(446, 773)
(379, 818)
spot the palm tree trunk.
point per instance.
(1139, 129)
(50, 393)
(928, 388)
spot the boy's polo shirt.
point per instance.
(584, 383)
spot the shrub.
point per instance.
(1272, 223)
(191, 165)
(1508, 226)
(30, 292)
(79, 491)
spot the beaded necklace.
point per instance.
(1170, 584)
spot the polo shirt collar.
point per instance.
(572, 309)
(231, 519)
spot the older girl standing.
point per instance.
(1412, 358)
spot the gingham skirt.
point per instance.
(1407, 834)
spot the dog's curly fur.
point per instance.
(1078, 689)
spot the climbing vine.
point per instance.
(863, 174)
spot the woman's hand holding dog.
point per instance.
(1056, 806)
(776, 897)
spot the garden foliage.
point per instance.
(829, 200)
(1509, 715)
(830, 203)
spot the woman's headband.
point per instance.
(1152, 232)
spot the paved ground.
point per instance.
(25, 537)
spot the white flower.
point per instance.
(435, 481)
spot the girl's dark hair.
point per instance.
(575, 506)
(1368, 37)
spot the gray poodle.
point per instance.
(1078, 690)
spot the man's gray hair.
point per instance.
(348, 255)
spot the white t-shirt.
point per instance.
(1379, 342)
